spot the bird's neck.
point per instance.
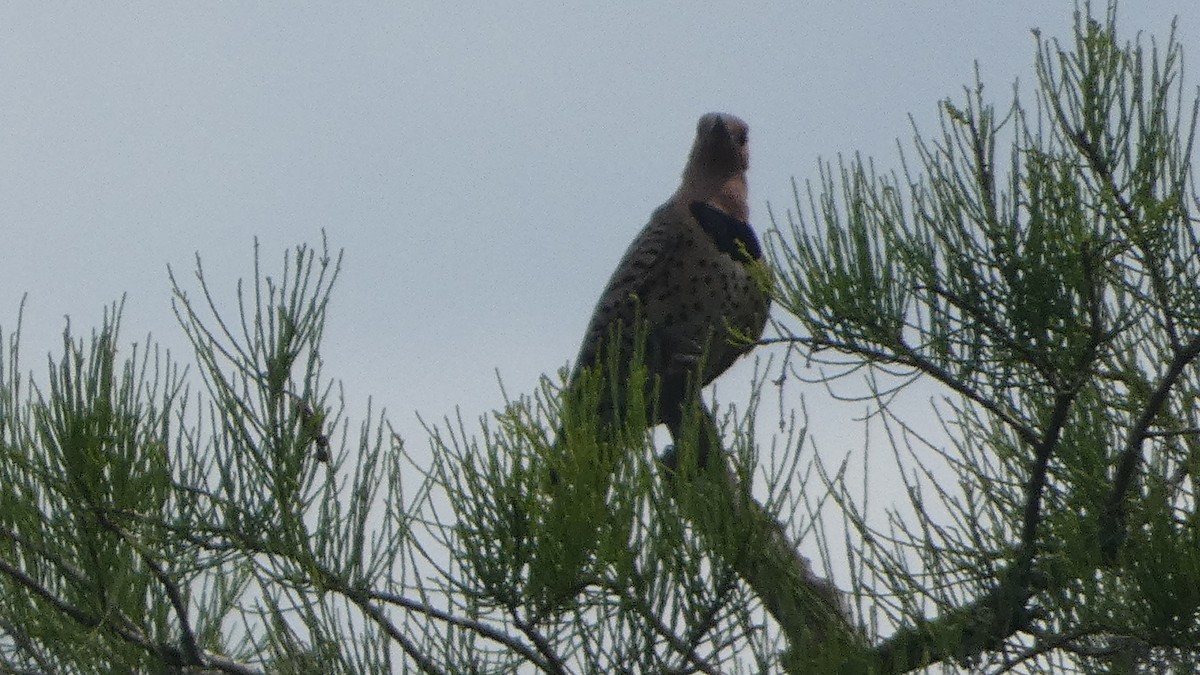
(727, 193)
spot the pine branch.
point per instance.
(810, 610)
(1115, 528)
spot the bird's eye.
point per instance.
(743, 137)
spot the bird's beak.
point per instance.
(719, 127)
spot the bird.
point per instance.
(685, 301)
(686, 283)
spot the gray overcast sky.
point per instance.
(483, 166)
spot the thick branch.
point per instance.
(1114, 532)
(1031, 518)
(960, 633)
(988, 622)
(808, 609)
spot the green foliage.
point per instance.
(147, 528)
(592, 555)
(89, 449)
(139, 535)
(1050, 291)
(1035, 265)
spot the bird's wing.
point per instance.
(641, 272)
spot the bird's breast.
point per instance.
(704, 294)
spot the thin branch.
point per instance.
(192, 654)
(684, 647)
(1102, 168)
(119, 625)
(997, 332)
(478, 627)
(552, 661)
(191, 650)
(912, 359)
(25, 644)
(364, 604)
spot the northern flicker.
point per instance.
(683, 285)
(686, 284)
(687, 277)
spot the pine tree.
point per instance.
(1035, 264)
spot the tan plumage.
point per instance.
(687, 274)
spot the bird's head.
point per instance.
(716, 168)
(722, 143)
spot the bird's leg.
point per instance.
(684, 412)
